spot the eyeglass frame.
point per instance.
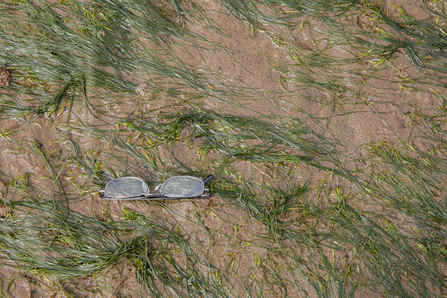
(157, 195)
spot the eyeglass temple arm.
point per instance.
(142, 196)
(208, 179)
(204, 195)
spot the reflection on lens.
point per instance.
(125, 187)
(182, 187)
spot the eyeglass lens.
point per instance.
(125, 187)
(182, 187)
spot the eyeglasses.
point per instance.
(133, 188)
